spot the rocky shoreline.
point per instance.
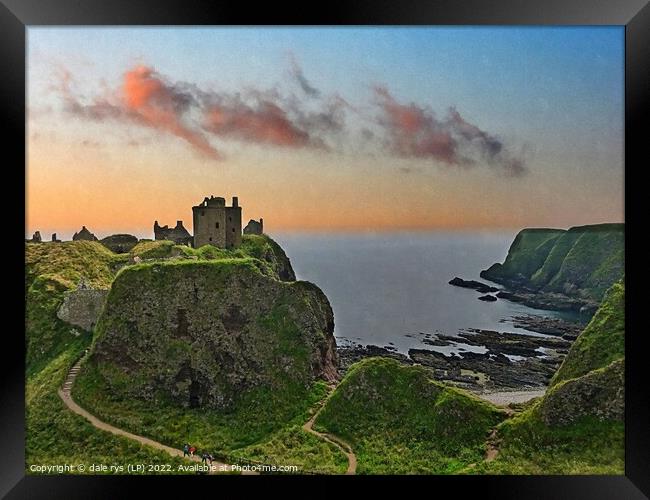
(517, 292)
(549, 301)
(510, 361)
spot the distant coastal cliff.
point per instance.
(561, 269)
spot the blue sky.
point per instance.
(553, 95)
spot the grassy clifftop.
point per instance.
(399, 421)
(51, 269)
(261, 247)
(582, 262)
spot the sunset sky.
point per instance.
(325, 129)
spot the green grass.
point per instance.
(50, 270)
(152, 249)
(602, 341)
(528, 446)
(588, 444)
(594, 262)
(271, 258)
(398, 421)
(555, 258)
(54, 434)
(295, 446)
(57, 436)
(69, 261)
(257, 415)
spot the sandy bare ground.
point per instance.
(507, 397)
(65, 395)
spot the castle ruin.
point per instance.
(84, 235)
(254, 227)
(178, 234)
(216, 224)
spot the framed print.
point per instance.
(388, 242)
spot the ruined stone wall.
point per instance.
(254, 227)
(82, 307)
(233, 227)
(209, 226)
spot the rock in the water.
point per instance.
(488, 298)
(475, 285)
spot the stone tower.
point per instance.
(216, 224)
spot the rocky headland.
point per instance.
(557, 269)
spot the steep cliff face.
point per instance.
(601, 342)
(201, 333)
(581, 263)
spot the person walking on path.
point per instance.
(192, 450)
(186, 450)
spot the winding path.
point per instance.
(339, 443)
(65, 394)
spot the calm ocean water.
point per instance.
(384, 286)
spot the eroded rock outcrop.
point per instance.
(201, 334)
(82, 307)
(600, 394)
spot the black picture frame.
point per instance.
(16, 16)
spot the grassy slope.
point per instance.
(602, 341)
(264, 426)
(588, 445)
(50, 270)
(258, 415)
(528, 446)
(273, 261)
(294, 446)
(594, 262)
(399, 421)
(526, 254)
(55, 435)
(555, 258)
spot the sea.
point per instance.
(391, 289)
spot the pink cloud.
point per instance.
(264, 123)
(414, 131)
